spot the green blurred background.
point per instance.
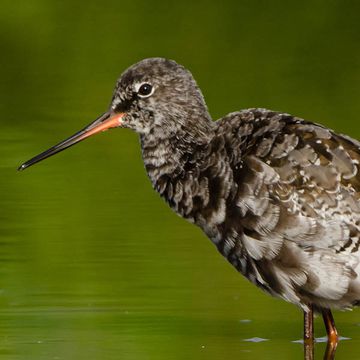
(93, 265)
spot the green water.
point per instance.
(93, 265)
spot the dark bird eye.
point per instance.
(145, 90)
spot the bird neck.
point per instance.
(168, 157)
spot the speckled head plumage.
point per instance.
(158, 94)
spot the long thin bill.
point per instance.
(104, 122)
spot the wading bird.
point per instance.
(277, 195)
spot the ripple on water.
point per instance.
(256, 339)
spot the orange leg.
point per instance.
(331, 331)
(332, 334)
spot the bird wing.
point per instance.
(296, 178)
(298, 196)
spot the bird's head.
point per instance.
(155, 97)
(157, 94)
